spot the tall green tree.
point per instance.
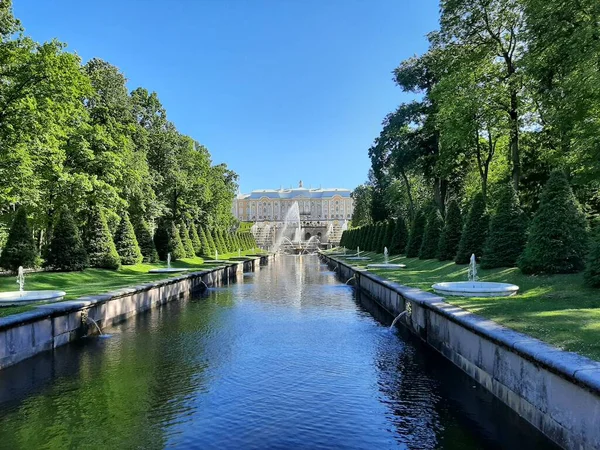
(474, 232)
(20, 248)
(66, 251)
(451, 233)
(99, 242)
(558, 236)
(126, 242)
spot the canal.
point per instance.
(287, 357)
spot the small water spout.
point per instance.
(96, 324)
(239, 252)
(216, 255)
(403, 313)
(168, 260)
(386, 255)
(21, 280)
(205, 285)
(350, 279)
(473, 269)
(358, 251)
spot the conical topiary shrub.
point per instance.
(474, 232)
(450, 235)
(400, 237)
(415, 236)
(195, 239)
(381, 229)
(145, 241)
(186, 240)
(591, 275)
(99, 243)
(204, 246)
(507, 233)
(431, 235)
(126, 242)
(20, 248)
(210, 238)
(167, 240)
(557, 241)
(389, 235)
(66, 251)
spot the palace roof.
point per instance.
(299, 192)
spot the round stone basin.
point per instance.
(386, 266)
(25, 297)
(476, 289)
(358, 258)
(171, 270)
(217, 261)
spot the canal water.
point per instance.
(286, 358)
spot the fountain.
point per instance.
(475, 288)
(291, 222)
(216, 260)
(23, 297)
(357, 257)
(386, 264)
(168, 269)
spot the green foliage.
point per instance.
(474, 232)
(195, 239)
(212, 245)
(188, 245)
(431, 235)
(145, 241)
(99, 243)
(20, 248)
(66, 251)
(450, 235)
(558, 240)
(380, 236)
(400, 237)
(167, 240)
(592, 270)
(126, 243)
(205, 248)
(415, 236)
(507, 233)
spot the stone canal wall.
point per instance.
(557, 392)
(50, 326)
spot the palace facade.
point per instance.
(314, 205)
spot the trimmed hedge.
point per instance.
(558, 236)
(431, 235)
(591, 275)
(145, 241)
(450, 235)
(400, 237)
(66, 251)
(474, 232)
(188, 245)
(507, 233)
(415, 237)
(126, 243)
(99, 243)
(20, 248)
(167, 240)
(195, 239)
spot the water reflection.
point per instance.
(287, 358)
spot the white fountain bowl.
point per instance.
(476, 289)
(166, 270)
(386, 266)
(358, 258)
(22, 298)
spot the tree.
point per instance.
(474, 232)
(205, 248)
(145, 241)
(126, 242)
(507, 234)
(20, 248)
(195, 239)
(415, 236)
(186, 240)
(99, 243)
(167, 240)
(212, 244)
(592, 270)
(400, 237)
(361, 214)
(431, 235)
(557, 241)
(66, 251)
(451, 232)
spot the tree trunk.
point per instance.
(514, 141)
(411, 204)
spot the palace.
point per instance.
(321, 212)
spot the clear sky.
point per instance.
(280, 90)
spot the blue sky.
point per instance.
(280, 90)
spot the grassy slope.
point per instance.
(557, 309)
(95, 281)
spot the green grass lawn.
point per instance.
(557, 309)
(97, 281)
